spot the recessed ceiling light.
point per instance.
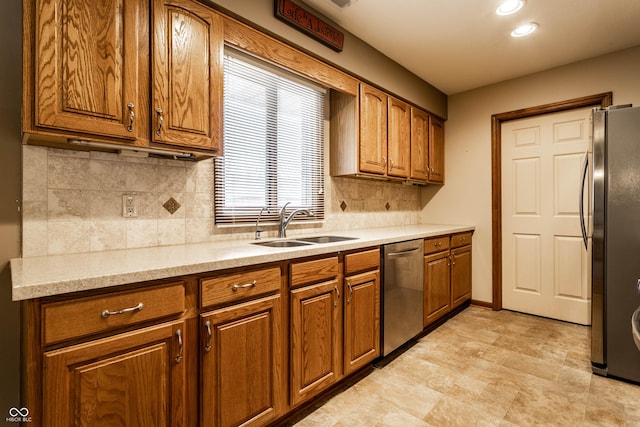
(509, 6)
(524, 30)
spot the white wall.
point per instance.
(466, 196)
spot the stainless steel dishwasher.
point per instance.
(403, 294)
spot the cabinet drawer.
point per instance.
(461, 239)
(361, 261)
(90, 315)
(242, 285)
(436, 244)
(308, 272)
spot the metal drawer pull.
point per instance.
(131, 117)
(246, 285)
(207, 346)
(107, 313)
(337, 294)
(180, 346)
(350, 292)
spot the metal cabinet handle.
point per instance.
(160, 121)
(384, 161)
(449, 263)
(246, 285)
(583, 178)
(131, 117)
(207, 346)
(335, 288)
(180, 345)
(453, 260)
(350, 292)
(107, 313)
(391, 162)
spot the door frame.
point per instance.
(603, 100)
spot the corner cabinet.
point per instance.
(92, 72)
(377, 136)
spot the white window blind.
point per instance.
(273, 144)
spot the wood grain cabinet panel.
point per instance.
(361, 261)
(398, 138)
(373, 130)
(437, 288)
(419, 145)
(447, 274)
(460, 275)
(361, 320)
(239, 286)
(316, 339)
(436, 150)
(90, 65)
(136, 378)
(243, 372)
(187, 75)
(61, 319)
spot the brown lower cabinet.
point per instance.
(447, 275)
(242, 364)
(136, 378)
(237, 347)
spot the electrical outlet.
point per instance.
(129, 205)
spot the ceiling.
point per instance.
(457, 45)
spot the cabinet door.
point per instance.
(437, 291)
(399, 138)
(187, 75)
(419, 145)
(90, 62)
(373, 130)
(436, 150)
(316, 337)
(135, 378)
(361, 320)
(242, 364)
(460, 275)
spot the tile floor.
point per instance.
(486, 368)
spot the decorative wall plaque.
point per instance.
(307, 22)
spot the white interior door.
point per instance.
(545, 267)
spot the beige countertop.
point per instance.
(37, 277)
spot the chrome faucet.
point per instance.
(284, 222)
(258, 231)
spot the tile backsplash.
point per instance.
(72, 202)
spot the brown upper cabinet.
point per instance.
(88, 74)
(373, 130)
(398, 138)
(436, 150)
(188, 40)
(378, 136)
(419, 145)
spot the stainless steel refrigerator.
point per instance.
(615, 241)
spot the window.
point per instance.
(273, 143)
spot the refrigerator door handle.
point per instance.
(583, 226)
